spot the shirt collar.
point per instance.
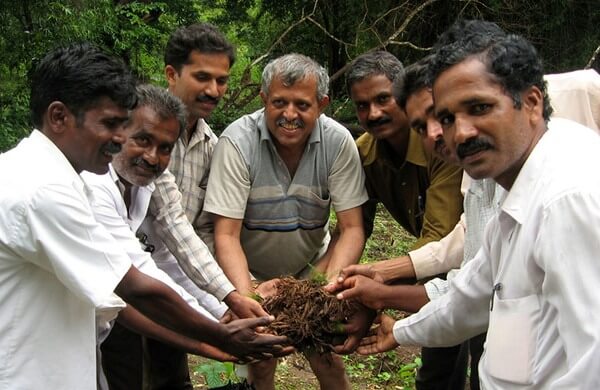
(39, 138)
(201, 133)
(415, 153)
(517, 201)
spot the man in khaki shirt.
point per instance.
(420, 190)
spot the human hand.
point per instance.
(363, 289)
(366, 270)
(245, 343)
(241, 307)
(268, 288)
(356, 328)
(212, 352)
(380, 339)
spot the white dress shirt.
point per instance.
(533, 284)
(56, 265)
(111, 211)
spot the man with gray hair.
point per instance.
(120, 203)
(274, 175)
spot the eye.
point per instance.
(278, 103)
(383, 99)
(360, 106)
(421, 130)
(166, 149)
(113, 123)
(446, 120)
(303, 106)
(202, 76)
(222, 80)
(479, 109)
(142, 140)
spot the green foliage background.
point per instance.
(333, 32)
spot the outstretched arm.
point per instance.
(163, 305)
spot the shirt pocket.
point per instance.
(511, 339)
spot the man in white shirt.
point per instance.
(121, 199)
(57, 264)
(530, 286)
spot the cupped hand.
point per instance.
(380, 339)
(245, 343)
(356, 327)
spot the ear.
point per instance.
(323, 103)
(264, 97)
(533, 103)
(171, 74)
(58, 117)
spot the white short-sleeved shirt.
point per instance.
(111, 211)
(56, 265)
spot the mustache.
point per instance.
(112, 147)
(139, 161)
(472, 146)
(379, 121)
(295, 122)
(207, 98)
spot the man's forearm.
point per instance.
(232, 260)
(181, 239)
(139, 323)
(163, 305)
(393, 269)
(344, 249)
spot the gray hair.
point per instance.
(371, 64)
(293, 67)
(163, 103)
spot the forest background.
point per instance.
(565, 32)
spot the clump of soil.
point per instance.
(310, 317)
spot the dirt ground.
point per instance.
(293, 372)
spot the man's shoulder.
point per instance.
(244, 126)
(367, 148)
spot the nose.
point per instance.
(289, 112)
(119, 136)
(212, 89)
(374, 112)
(151, 155)
(434, 130)
(464, 130)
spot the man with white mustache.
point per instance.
(121, 199)
(274, 175)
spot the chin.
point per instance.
(99, 170)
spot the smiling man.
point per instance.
(121, 199)
(531, 286)
(57, 263)
(198, 59)
(274, 176)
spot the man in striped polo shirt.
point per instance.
(274, 175)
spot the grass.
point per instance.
(391, 370)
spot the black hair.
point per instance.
(511, 59)
(203, 37)
(78, 76)
(416, 77)
(373, 63)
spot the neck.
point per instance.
(399, 143)
(191, 127)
